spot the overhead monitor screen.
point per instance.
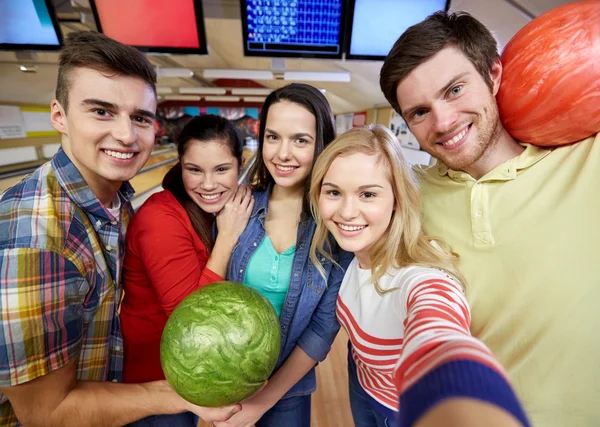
(377, 24)
(28, 24)
(162, 26)
(293, 28)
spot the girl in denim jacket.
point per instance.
(272, 255)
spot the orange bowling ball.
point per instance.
(550, 89)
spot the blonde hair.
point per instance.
(404, 243)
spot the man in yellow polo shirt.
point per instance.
(524, 220)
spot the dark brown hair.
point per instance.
(202, 128)
(88, 49)
(425, 39)
(314, 102)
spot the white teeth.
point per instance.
(456, 138)
(119, 155)
(210, 196)
(351, 227)
(285, 168)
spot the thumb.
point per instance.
(227, 412)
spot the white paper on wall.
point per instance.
(400, 129)
(11, 122)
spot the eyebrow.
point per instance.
(296, 135)
(452, 82)
(217, 166)
(115, 107)
(362, 187)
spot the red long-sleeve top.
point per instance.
(165, 261)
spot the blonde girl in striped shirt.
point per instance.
(412, 359)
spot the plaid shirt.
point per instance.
(59, 250)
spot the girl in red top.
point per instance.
(170, 249)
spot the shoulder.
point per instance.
(422, 171)
(409, 279)
(261, 200)
(36, 212)
(589, 146)
(163, 198)
(24, 192)
(158, 207)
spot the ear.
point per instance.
(242, 164)
(58, 117)
(496, 76)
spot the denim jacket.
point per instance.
(308, 316)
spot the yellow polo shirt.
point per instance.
(528, 234)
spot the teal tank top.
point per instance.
(270, 272)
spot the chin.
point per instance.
(211, 209)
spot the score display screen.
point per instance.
(377, 24)
(28, 24)
(293, 28)
(162, 26)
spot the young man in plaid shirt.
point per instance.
(62, 231)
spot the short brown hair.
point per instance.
(88, 49)
(425, 39)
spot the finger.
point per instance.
(242, 191)
(247, 198)
(226, 412)
(250, 206)
(234, 196)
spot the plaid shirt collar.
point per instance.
(71, 180)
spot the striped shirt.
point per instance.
(400, 338)
(59, 251)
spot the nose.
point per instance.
(208, 183)
(284, 151)
(124, 131)
(444, 118)
(348, 210)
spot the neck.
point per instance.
(364, 260)
(105, 195)
(503, 148)
(103, 189)
(288, 194)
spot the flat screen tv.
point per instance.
(29, 25)
(375, 25)
(161, 26)
(293, 28)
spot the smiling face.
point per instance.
(108, 131)
(450, 109)
(357, 202)
(209, 173)
(289, 144)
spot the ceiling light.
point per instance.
(161, 90)
(317, 76)
(238, 74)
(222, 98)
(203, 90)
(28, 68)
(174, 72)
(251, 91)
(182, 98)
(260, 99)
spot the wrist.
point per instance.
(226, 239)
(167, 397)
(265, 400)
